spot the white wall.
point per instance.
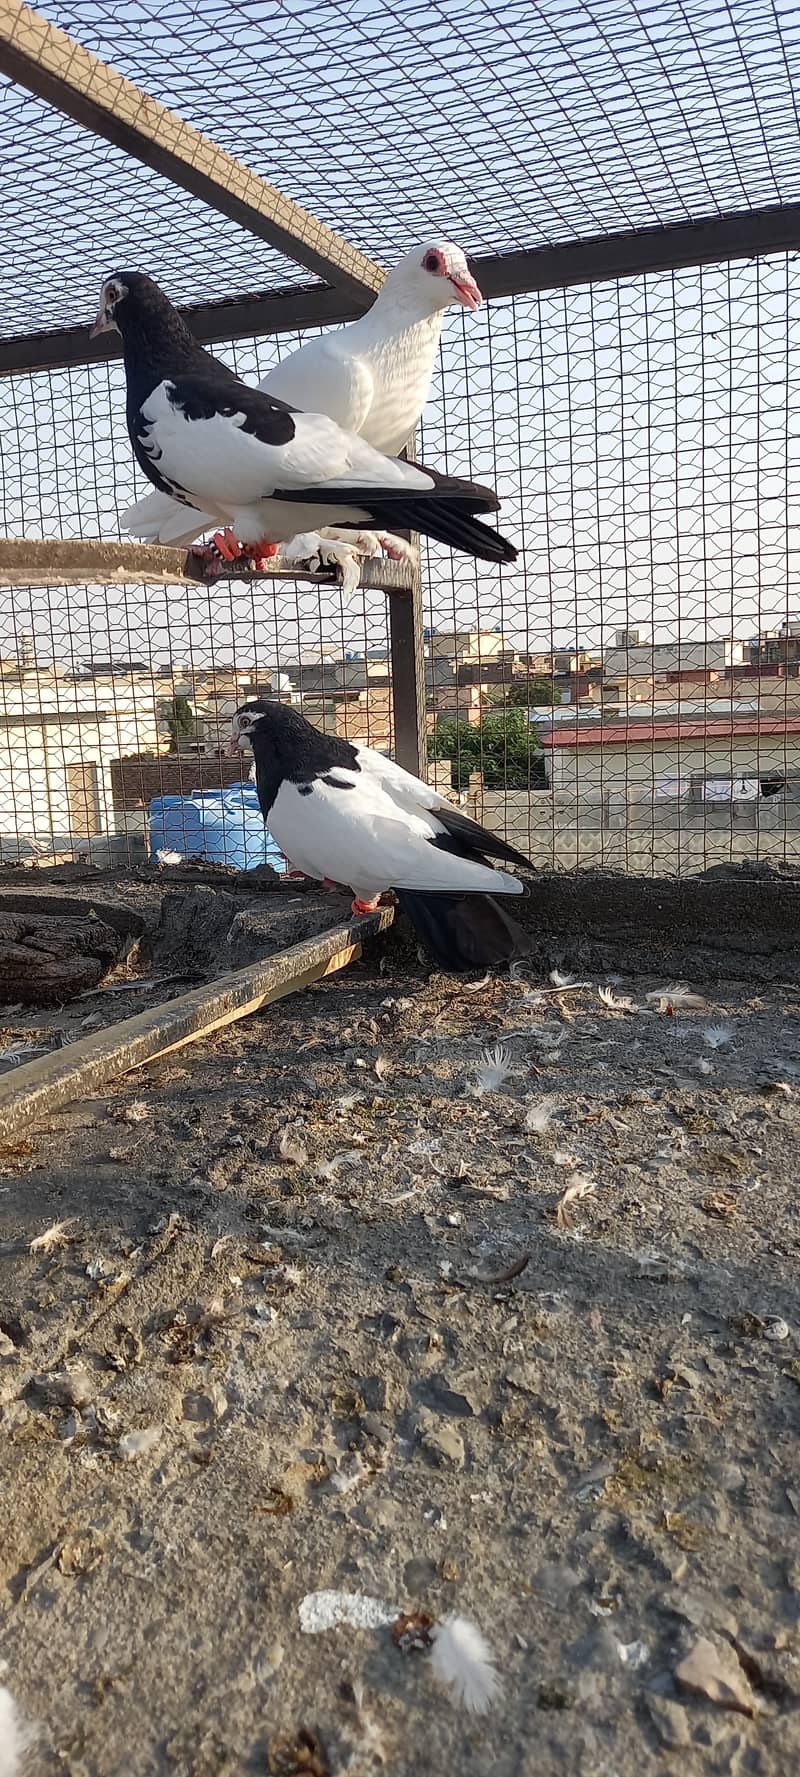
(48, 725)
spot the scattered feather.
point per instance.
(383, 1067)
(677, 997)
(576, 1192)
(463, 1662)
(53, 1237)
(560, 980)
(319, 1611)
(494, 1068)
(330, 1169)
(616, 1002)
(563, 1157)
(373, 1748)
(475, 986)
(139, 1443)
(12, 1739)
(169, 857)
(539, 1116)
(718, 1036)
(703, 1065)
(348, 1100)
(292, 1149)
(137, 1112)
(100, 1270)
(351, 1473)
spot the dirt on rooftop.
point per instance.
(472, 1298)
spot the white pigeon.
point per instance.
(347, 814)
(372, 377)
(213, 442)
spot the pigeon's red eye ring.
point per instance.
(432, 262)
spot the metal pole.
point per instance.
(407, 651)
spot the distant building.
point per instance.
(654, 659)
(58, 738)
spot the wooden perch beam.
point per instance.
(52, 65)
(36, 561)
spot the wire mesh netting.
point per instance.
(88, 208)
(627, 693)
(507, 125)
(644, 437)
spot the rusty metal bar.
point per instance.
(407, 652)
(594, 260)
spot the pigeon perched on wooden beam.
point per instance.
(348, 814)
(258, 466)
(372, 377)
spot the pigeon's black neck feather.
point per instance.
(286, 746)
(157, 344)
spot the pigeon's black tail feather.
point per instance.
(436, 516)
(464, 931)
(446, 511)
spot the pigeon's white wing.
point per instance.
(222, 461)
(158, 519)
(348, 828)
(324, 377)
(405, 789)
(409, 793)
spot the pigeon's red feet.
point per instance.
(260, 553)
(227, 544)
(366, 906)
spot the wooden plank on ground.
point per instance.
(40, 1087)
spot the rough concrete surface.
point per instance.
(510, 1336)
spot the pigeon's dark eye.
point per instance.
(432, 262)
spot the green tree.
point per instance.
(525, 692)
(504, 747)
(522, 693)
(180, 721)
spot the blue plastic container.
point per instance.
(224, 825)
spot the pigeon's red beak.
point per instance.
(466, 290)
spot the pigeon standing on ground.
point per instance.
(210, 441)
(372, 377)
(347, 814)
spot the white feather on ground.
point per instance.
(560, 980)
(55, 1236)
(616, 1002)
(463, 1662)
(494, 1068)
(718, 1036)
(676, 997)
(539, 1116)
(12, 1739)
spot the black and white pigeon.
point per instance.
(257, 465)
(372, 377)
(345, 813)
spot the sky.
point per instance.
(643, 436)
